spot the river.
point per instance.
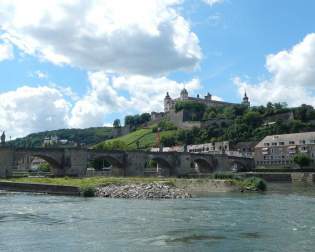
(280, 220)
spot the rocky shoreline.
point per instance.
(142, 191)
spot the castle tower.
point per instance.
(167, 103)
(208, 97)
(184, 94)
(246, 100)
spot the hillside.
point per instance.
(143, 138)
(89, 136)
(232, 123)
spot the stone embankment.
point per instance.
(142, 191)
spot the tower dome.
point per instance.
(184, 93)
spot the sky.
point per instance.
(78, 64)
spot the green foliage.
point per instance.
(152, 164)
(252, 118)
(117, 123)
(88, 191)
(302, 160)
(88, 136)
(164, 125)
(190, 106)
(44, 167)
(304, 113)
(137, 120)
(251, 184)
(112, 145)
(168, 141)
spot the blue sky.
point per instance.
(71, 64)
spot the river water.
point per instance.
(280, 220)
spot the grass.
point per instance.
(93, 182)
(88, 185)
(145, 136)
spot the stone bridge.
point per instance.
(74, 162)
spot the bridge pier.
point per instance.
(6, 162)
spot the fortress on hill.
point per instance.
(169, 103)
(187, 119)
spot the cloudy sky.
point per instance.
(77, 63)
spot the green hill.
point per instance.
(89, 136)
(143, 138)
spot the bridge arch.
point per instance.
(24, 161)
(158, 166)
(202, 165)
(237, 166)
(110, 164)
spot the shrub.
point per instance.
(253, 184)
(302, 160)
(44, 167)
(88, 191)
(168, 141)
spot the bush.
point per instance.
(253, 184)
(302, 160)
(44, 167)
(168, 141)
(88, 191)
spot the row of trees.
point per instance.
(133, 121)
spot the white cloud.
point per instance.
(40, 75)
(213, 2)
(29, 109)
(32, 109)
(138, 37)
(145, 94)
(292, 76)
(6, 52)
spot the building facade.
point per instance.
(242, 149)
(279, 150)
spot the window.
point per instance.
(302, 141)
(281, 143)
(274, 144)
(291, 142)
(266, 144)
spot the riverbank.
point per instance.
(132, 187)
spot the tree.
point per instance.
(129, 120)
(302, 160)
(168, 141)
(253, 118)
(117, 123)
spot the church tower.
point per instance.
(246, 100)
(167, 103)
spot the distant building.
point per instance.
(279, 150)
(55, 141)
(169, 103)
(242, 149)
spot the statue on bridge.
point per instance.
(3, 139)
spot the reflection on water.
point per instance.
(280, 220)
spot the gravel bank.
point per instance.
(142, 191)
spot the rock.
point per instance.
(142, 191)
